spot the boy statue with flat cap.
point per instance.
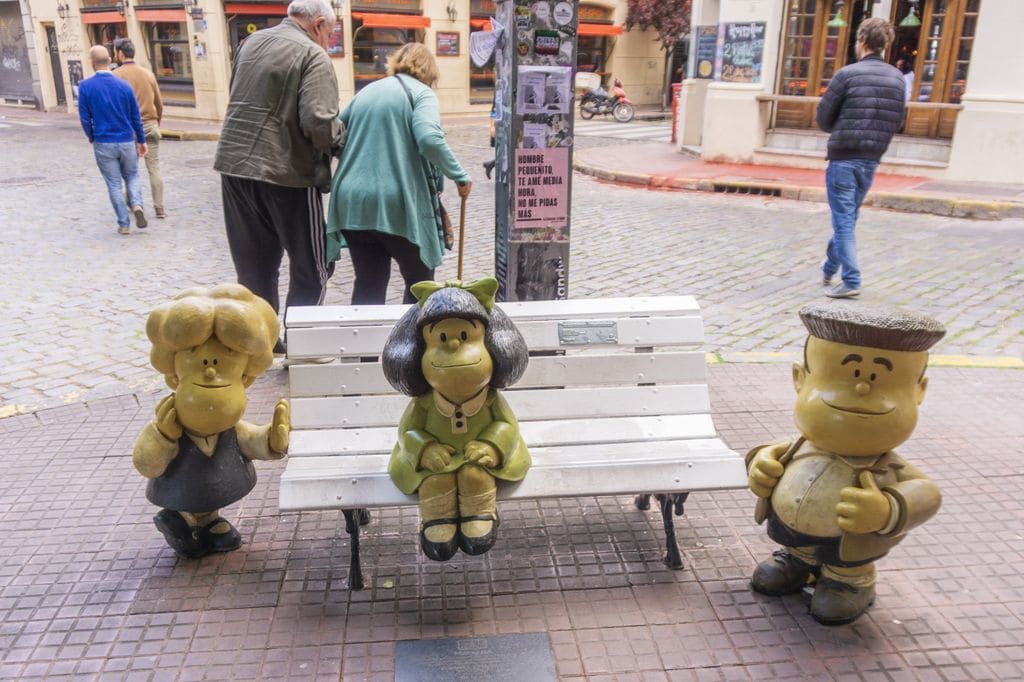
(838, 497)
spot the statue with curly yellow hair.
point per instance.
(210, 345)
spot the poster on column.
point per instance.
(544, 90)
(541, 192)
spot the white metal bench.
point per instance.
(614, 402)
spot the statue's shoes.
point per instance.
(478, 544)
(439, 551)
(180, 536)
(225, 541)
(781, 573)
(838, 603)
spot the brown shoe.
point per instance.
(160, 212)
(781, 574)
(836, 603)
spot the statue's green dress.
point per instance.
(431, 418)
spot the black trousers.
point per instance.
(264, 221)
(371, 254)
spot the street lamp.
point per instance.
(63, 9)
(338, 6)
(119, 7)
(911, 20)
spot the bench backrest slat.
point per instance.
(547, 433)
(606, 369)
(368, 340)
(528, 405)
(646, 306)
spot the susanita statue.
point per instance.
(210, 345)
(451, 352)
(838, 497)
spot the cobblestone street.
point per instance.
(75, 293)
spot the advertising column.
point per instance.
(534, 122)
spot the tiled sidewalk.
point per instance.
(89, 590)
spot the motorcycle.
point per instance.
(597, 101)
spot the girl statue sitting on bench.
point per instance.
(210, 345)
(451, 352)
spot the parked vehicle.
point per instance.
(598, 101)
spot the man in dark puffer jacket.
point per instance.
(862, 108)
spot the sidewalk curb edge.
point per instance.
(932, 204)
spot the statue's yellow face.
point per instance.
(855, 400)
(210, 391)
(456, 362)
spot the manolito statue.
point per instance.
(452, 352)
(838, 497)
(210, 345)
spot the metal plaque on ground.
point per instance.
(494, 658)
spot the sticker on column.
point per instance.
(542, 15)
(563, 13)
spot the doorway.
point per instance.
(58, 75)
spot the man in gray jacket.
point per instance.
(280, 133)
(862, 109)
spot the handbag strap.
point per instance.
(427, 166)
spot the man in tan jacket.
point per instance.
(151, 107)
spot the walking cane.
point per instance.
(462, 234)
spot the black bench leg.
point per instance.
(643, 502)
(353, 519)
(671, 504)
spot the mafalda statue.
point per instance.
(838, 497)
(451, 352)
(210, 345)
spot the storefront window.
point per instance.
(106, 34)
(481, 79)
(591, 54)
(172, 64)
(796, 61)
(371, 48)
(938, 52)
(241, 27)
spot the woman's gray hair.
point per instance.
(312, 9)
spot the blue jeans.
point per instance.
(119, 161)
(847, 181)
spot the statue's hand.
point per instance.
(167, 419)
(280, 428)
(436, 456)
(766, 470)
(484, 454)
(865, 509)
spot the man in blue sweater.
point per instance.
(111, 121)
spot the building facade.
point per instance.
(189, 44)
(760, 67)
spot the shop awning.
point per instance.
(374, 20)
(177, 15)
(599, 30)
(256, 9)
(480, 24)
(102, 18)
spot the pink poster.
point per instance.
(541, 192)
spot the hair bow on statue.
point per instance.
(482, 290)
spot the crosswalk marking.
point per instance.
(653, 132)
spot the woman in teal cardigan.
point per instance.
(381, 206)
